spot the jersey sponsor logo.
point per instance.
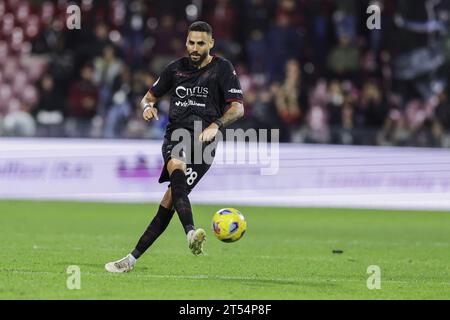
(154, 85)
(197, 91)
(189, 103)
(235, 91)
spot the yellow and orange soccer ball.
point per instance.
(229, 225)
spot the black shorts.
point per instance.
(195, 167)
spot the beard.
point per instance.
(198, 58)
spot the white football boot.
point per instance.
(196, 238)
(123, 265)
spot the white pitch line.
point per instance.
(197, 277)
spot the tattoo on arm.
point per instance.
(235, 112)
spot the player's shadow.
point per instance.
(278, 282)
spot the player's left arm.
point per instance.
(235, 112)
(232, 93)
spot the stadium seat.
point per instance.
(13, 105)
(4, 50)
(29, 94)
(32, 27)
(10, 69)
(7, 25)
(5, 92)
(25, 48)
(13, 4)
(33, 66)
(16, 39)
(47, 12)
(2, 9)
(23, 12)
(19, 81)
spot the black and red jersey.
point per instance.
(197, 94)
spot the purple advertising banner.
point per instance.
(281, 175)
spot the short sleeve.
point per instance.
(163, 84)
(230, 85)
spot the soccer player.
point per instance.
(201, 87)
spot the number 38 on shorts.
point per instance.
(191, 175)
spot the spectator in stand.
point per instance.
(437, 134)
(48, 39)
(284, 41)
(50, 108)
(61, 62)
(222, 18)
(263, 114)
(344, 19)
(100, 41)
(345, 133)
(442, 113)
(370, 113)
(364, 85)
(334, 102)
(106, 69)
(430, 134)
(82, 104)
(168, 41)
(343, 60)
(140, 82)
(289, 98)
(257, 51)
(395, 131)
(258, 14)
(318, 20)
(120, 107)
(134, 35)
(290, 9)
(19, 122)
(316, 129)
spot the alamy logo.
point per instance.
(374, 280)
(263, 148)
(73, 20)
(374, 21)
(74, 280)
(184, 92)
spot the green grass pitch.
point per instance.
(285, 254)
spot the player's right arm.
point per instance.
(148, 105)
(158, 89)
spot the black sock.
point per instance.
(153, 231)
(180, 199)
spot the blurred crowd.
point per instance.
(311, 68)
